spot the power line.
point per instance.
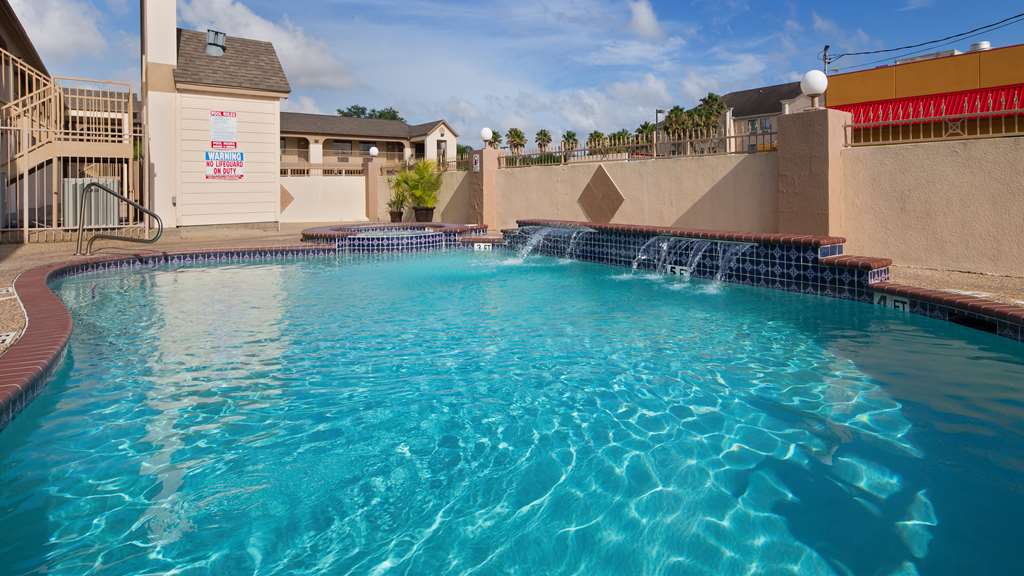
(986, 28)
(990, 28)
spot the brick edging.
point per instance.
(961, 302)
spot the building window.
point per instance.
(341, 146)
(752, 126)
(364, 147)
(766, 124)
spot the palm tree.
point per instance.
(710, 109)
(677, 121)
(543, 139)
(516, 140)
(620, 138)
(495, 141)
(569, 140)
(595, 139)
(645, 130)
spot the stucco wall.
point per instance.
(947, 205)
(735, 192)
(324, 199)
(255, 198)
(454, 200)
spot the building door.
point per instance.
(442, 152)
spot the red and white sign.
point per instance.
(223, 130)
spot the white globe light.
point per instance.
(486, 134)
(374, 151)
(814, 83)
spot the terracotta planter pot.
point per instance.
(424, 214)
(396, 215)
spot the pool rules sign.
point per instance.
(224, 161)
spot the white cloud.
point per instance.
(643, 21)
(304, 104)
(633, 53)
(309, 62)
(841, 38)
(731, 72)
(62, 30)
(915, 5)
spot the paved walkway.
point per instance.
(15, 258)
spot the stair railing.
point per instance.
(84, 195)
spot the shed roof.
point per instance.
(246, 64)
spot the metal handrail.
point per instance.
(84, 194)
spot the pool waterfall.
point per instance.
(662, 254)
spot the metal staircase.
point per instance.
(56, 136)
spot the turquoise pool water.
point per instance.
(459, 414)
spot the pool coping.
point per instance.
(338, 231)
(29, 362)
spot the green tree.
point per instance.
(645, 130)
(495, 141)
(516, 140)
(678, 121)
(388, 113)
(709, 111)
(357, 111)
(543, 139)
(620, 138)
(569, 140)
(353, 111)
(463, 149)
(595, 139)
(420, 183)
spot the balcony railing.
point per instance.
(993, 124)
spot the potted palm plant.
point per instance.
(422, 181)
(399, 198)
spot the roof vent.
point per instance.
(981, 46)
(215, 42)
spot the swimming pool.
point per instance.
(468, 413)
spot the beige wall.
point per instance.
(256, 198)
(735, 192)
(324, 199)
(454, 200)
(955, 205)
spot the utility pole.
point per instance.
(824, 59)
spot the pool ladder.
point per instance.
(84, 194)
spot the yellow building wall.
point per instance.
(997, 67)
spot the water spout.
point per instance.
(576, 235)
(727, 255)
(532, 242)
(658, 242)
(697, 250)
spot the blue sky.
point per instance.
(559, 64)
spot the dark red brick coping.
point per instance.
(726, 236)
(26, 366)
(333, 232)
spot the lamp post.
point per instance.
(655, 138)
(486, 134)
(374, 151)
(813, 84)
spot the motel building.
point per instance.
(204, 143)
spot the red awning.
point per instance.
(994, 102)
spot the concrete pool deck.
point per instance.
(16, 258)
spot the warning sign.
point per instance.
(223, 130)
(223, 165)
